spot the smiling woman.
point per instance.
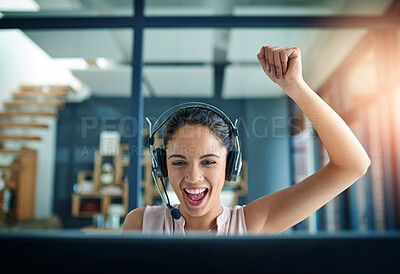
(201, 150)
(199, 169)
(199, 154)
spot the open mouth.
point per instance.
(196, 198)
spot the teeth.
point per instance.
(197, 191)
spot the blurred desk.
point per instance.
(93, 229)
(74, 251)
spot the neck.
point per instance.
(202, 223)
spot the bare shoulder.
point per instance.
(134, 219)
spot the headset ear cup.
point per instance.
(236, 172)
(161, 157)
(229, 165)
(230, 173)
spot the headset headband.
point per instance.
(193, 104)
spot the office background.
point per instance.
(124, 60)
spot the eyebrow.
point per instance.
(201, 157)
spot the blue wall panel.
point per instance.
(268, 142)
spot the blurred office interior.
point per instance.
(78, 78)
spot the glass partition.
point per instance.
(66, 8)
(264, 8)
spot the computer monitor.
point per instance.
(63, 252)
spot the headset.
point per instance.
(159, 155)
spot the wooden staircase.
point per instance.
(28, 104)
(31, 110)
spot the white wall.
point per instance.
(22, 61)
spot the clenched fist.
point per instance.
(282, 65)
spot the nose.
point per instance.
(193, 174)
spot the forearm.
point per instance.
(344, 149)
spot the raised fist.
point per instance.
(282, 65)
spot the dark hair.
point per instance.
(203, 117)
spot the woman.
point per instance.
(203, 168)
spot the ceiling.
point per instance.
(183, 62)
(198, 7)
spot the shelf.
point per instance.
(22, 125)
(19, 138)
(20, 103)
(112, 184)
(44, 88)
(87, 195)
(24, 113)
(62, 94)
(99, 195)
(90, 180)
(79, 203)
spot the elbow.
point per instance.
(365, 166)
(368, 165)
(359, 166)
(362, 164)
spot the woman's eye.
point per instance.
(180, 163)
(208, 163)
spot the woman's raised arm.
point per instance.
(348, 159)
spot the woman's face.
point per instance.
(196, 161)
